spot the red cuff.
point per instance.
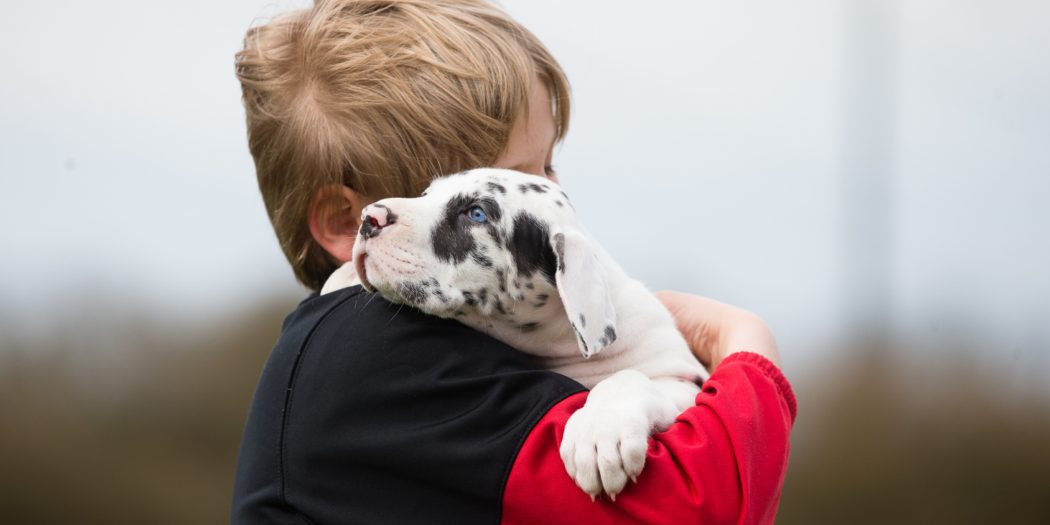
(723, 461)
(772, 371)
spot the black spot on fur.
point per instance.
(560, 204)
(494, 186)
(452, 241)
(494, 212)
(481, 259)
(469, 299)
(412, 293)
(530, 247)
(494, 232)
(453, 237)
(491, 207)
(440, 295)
(532, 186)
(583, 321)
(530, 286)
(609, 337)
(567, 200)
(529, 327)
(501, 277)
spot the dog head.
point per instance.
(494, 243)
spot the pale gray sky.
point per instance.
(127, 184)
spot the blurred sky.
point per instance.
(823, 163)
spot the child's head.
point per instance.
(380, 97)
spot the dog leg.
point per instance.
(680, 391)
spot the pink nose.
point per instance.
(374, 218)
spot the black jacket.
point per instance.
(370, 412)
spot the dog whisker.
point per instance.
(395, 313)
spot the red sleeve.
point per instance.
(723, 461)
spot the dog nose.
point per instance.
(374, 218)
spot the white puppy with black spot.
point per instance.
(502, 252)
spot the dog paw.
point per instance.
(603, 448)
(605, 442)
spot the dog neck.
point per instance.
(536, 325)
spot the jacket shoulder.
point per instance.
(383, 404)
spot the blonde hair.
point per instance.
(382, 96)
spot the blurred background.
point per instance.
(870, 176)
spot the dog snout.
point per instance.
(374, 218)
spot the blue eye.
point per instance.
(477, 214)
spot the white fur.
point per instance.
(639, 382)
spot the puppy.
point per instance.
(502, 252)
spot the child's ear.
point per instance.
(334, 218)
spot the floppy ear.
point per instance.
(584, 290)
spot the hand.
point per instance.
(715, 330)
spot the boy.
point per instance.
(370, 413)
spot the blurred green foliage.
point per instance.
(150, 435)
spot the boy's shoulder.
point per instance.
(361, 343)
(392, 405)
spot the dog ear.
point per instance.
(583, 286)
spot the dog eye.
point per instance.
(477, 214)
